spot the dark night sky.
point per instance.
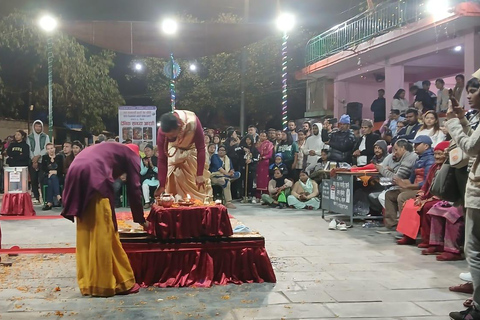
(315, 15)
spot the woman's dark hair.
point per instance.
(461, 76)
(23, 134)
(78, 144)
(222, 147)
(474, 83)
(397, 95)
(211, 144)
(436, 126)
(289, 140)
(168, 122)
(249, 136)
(209, 138)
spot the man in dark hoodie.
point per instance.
(380, 151)
(18, 152)
(37, 141)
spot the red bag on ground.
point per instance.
(409, 222)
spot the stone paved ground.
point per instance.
(321, 274)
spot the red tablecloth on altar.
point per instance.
(189, 222)
(200, 264)
(17, 204)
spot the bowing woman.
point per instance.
(103, 268)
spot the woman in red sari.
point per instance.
(265, 148)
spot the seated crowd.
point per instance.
(284, 168)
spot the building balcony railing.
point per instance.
(384, 18)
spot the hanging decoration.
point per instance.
(284, 81)
(172, 71)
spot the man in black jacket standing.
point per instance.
(342, 141)
(364, 148)
(378, 107)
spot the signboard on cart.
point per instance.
(138, 123)
(341, 194)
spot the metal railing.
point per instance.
(365, 26)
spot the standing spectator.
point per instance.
(342, 142)
(101, 138)
(426, 86)
(68, 156)
(399, 102)
(328, 128)
(423, 101)
(378, 107)
(77, 147)
(364, 149)
(271, 135)
(458, 89)
(289, 151)
(52, 168)
(18, 151)
(431, 128)
(37, 142)
(409, 132)
(265, 148)
(457, 125)
(304, 194)
(252, 131)
(234, 153)
(443, 97)
(249, 168)
(307, 128)
(148, 174)
(292, 129)
(299, 163)
(313, 147)
(278, 140)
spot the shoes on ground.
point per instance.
(463, 288)
(466, 276)
(332, 225)
(406, 241)
(308, 207)
(280, 206)
(433, 250)
(36, 201)
(423, 245)
(470, 314)
(468, 303)
(147, 205)
(46, 207)
(448, 256)
(342, 226)
(254, 200)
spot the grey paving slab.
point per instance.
(287, 311)
(321, 274)
(441, 308)
(377, 309)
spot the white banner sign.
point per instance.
(138, 124)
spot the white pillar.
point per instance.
(394, 80)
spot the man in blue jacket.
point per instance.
(408, 188)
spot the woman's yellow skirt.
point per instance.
(103, 268)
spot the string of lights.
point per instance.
(284, 81)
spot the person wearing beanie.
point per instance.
(364, 148)
(88, 199)
(380, 151)
(342, 141)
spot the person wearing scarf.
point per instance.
(278, 190)
(304, 194)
